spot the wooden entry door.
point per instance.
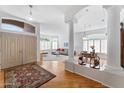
(29, 49)
(0, 49)
(12, 48)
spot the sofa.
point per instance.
(60, 51)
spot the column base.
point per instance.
(114, 70)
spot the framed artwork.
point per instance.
(65, 44)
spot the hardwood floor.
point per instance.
(66, 79)
(1, 79)
(63, 79)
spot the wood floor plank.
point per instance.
(66, 79)
(63, 79)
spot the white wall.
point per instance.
(51, 30)
(63, 38)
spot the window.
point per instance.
(54, 43)
(100, 45)
(89, 45)
(48, 43)
(104, 46)
(85, 45)
(17, 26)
(97, 45)
(45, 43)
(11, 27)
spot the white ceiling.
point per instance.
(41, 13)
(53, 15)
(90, 18)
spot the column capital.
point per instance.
(107, 7)
(71, 19)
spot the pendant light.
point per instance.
(30, 13)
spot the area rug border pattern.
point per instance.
(11, 68)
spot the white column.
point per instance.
(71, 41)
(69, 65)
(38, 42)
(113, 45)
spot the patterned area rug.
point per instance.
(27, 76)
